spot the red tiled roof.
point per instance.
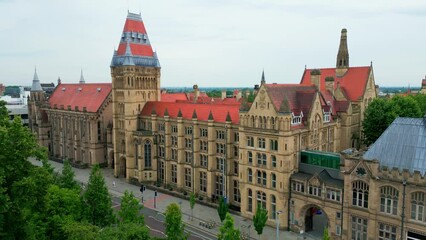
(134, 26)
(219, 111)
(290, 92)
(353, 82)
(137, 49)
(81, 95)
(173, 97)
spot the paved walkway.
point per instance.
(201, 212)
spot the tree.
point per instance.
(192, 204)
(326, 236)
(222, 209)
(378, 116)
(406, 107)
(130, 209)
(66, 180)
(80, 230)
(97, 201)
(421, 101)
(61, 206)
(174, 225)
(125, 231)
(259, 219)
(227, 230)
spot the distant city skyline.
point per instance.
(213, 43)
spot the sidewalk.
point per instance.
(201, 212)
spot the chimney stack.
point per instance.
(316, 78)
(223, 94)
(329, 84)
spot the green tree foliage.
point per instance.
(97, 201)
(192, 204)
(174, 224)
(326, 236)
(378, 116)
(66, 180)
(406, 107)
(127, 231)
(61, 206)
(382, 112)
(259, 219)
(227, 230)
(130, 209)
(222, 209)
(421, 101)
(80, 230)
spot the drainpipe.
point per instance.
(404, 183)
(341, 214)
(289, 202)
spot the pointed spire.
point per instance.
(194, 114)
(82, 78)
(211, 115)
(262, 81)
(179, 113)
(36, 82)
(166, 113)
(343, 54)
(128, 56)
(228, 117)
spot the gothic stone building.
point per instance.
(245, 151)
(73, 122)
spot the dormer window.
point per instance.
(296, 120)
(327, 117)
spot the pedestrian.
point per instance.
(113, 183)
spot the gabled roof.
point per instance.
(353, 82)
(89, 95)
(292, 97)
(402, 145)
(219, 111)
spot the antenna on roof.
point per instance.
(305, 66)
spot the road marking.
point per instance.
(155, 230)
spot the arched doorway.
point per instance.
(315, 221)
(122, 167)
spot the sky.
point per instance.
(220, 43)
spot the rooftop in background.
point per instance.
(402, 145)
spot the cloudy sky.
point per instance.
(214, 42)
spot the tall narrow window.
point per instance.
(273, 214)
(174, 173)
(147, 154)
(261, 199)
(359, 228)
(418, 206)
(360, 194)
(250, 201)
(203, 181)
(388, 200)
(188, 179)
(273, 180)
(250, 157)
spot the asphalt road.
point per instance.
(155, 222)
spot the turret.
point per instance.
(342, 62)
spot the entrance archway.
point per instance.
(122, 167)
(315, 221)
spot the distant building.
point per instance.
(17, 104)
(2, 89)
(423, 89)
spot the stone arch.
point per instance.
(314, 219)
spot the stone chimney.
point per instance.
(316, 78)
(239, 95)
(223, 94)
(196, 92)
(329, 84)
(247, 94)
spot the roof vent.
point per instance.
(98, 89)
(63, 89)
(328, 103)
(79, 89)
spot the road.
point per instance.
(155, 222)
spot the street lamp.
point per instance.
(278, 224)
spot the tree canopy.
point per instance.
(382, 112)
(259, 219)
(227, 230)
(174, 224)
(222, 209)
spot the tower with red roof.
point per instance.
(135, 72)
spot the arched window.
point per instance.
(360, 194)
(389, 200)
(273, 207)
(261, 199)
(418, 206)
(250, 201)
(147, 154)
(250, 176)
(273, 180)
(272, 123)
(250, 157)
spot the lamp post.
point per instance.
(278, 224)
